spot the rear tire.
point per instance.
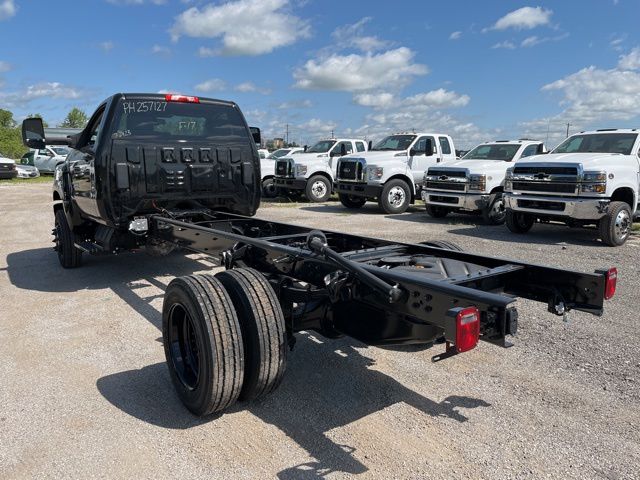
(202, 343)
(318, 189)
(352, 201)
(395, 197)
(263, 330)
(519, 222)
(615, 226)
(437, 212)
(495, 213)
(68, 255)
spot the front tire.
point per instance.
(68, 255)
(269, 189)
(202, 344)
(318, 189)
(495, 213)
(263, 330)
(615, 226)
(352, 201)
(395, 197)
(519, 222)
(435, 211)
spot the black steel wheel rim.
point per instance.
(57, 232)
(183, 347)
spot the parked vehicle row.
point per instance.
(591, 179)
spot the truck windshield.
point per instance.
(281, 152)
(60, 150)
(395, 142)
(176, 121)
(322, 146)
(503, 151)
(598, 143)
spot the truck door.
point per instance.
(42, 159)
(419, 161)
(447, 153)
(333, 159)
(83, 172)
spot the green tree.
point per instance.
(76, 118)
(10, 136)
(37, 115)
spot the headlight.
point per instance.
(478, 182)
(323, 155)
(508, 180)
(594, 182)
(401, 154)
(301, 170)
(375, 173)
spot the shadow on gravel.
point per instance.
(308, 405)
(39, 270)
(370, 208)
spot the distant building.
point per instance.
(278, 143)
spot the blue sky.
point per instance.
(475, 70)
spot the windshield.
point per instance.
(598, 143)
(281, 152)
(60, 150)
(503, 151)
(322, 146)
(177, 121)
(27, 159)
(395, 142)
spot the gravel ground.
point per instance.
(85, 393)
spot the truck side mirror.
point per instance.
(305, 148)
(370, 145)
(428, 147)
(33, 133)
(255, 133)
(343, 149)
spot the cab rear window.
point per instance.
(155, 119)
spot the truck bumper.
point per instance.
(290, 183)
(358, 189)
(466, 201)
(578, 208)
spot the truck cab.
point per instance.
(590, 179)
(475, 183)
(392, 171)
(313, 171)
(268, 169)
(146, 153)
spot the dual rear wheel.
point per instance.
(224, 338)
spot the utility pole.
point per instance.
(568, 125)
(332, 133)
(287, 134)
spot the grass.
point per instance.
(18, 181)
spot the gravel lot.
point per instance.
(85, 393)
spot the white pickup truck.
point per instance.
(592, 178)
(476, 181)
(268, 169)
(314, 170)
(392, 171)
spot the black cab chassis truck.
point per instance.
(164, 172)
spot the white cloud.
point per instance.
(211, 85)
(530, 41)
(354, 73)
(5, 67)
(7, 9)
(294, 104)
(352, 36)
(375, 100)
(455, 35)
(106, 46)
(160, 50)
(616, 42)
(246, 27)
(48, 90)
(205, 52)
(524, 18)
(630, 61)
(439, 98)
(250, 87)
(506, 44)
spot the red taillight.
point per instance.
(467, 329)
(172, 97)
(611, 279)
